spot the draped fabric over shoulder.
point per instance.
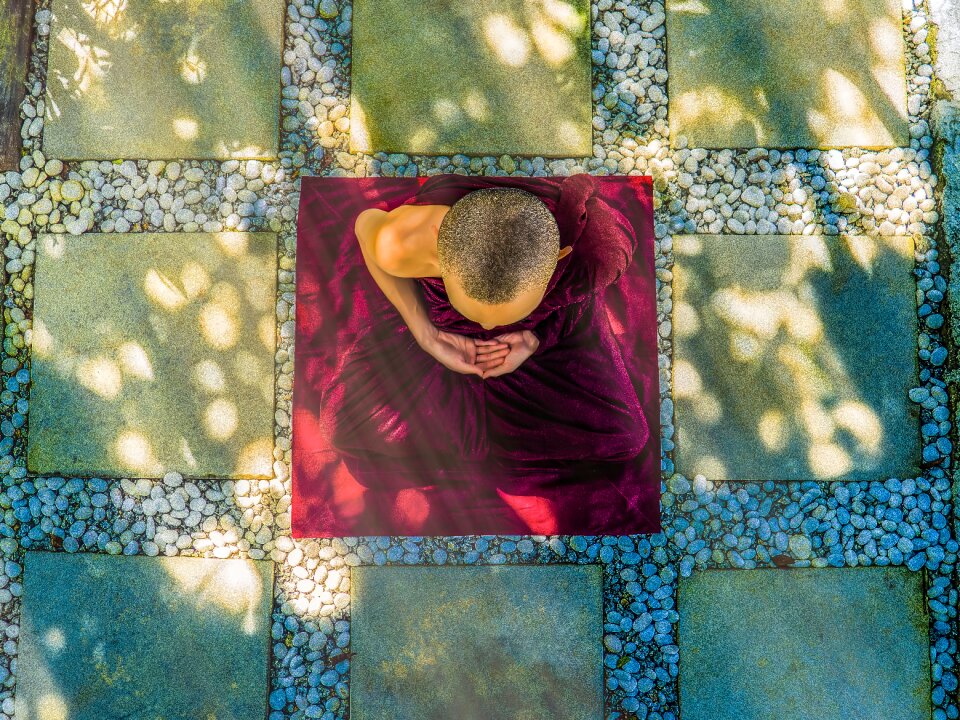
(389, 442)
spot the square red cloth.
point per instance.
(388, 442)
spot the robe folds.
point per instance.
(387, 441)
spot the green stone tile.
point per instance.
(787, 73)
(804, 644)
(794, 357)
(505, 76)
(174, 79)
(114, 637)
(153, 352)
(476, 643)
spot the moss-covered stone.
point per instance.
(491, 78)
(794, 357)
(477, 643)
(139, 637)
(175, 79)
(762, 73)
(153, 352)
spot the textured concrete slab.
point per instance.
(505, 76)
(794, 357)
(157, 80)
(109, 637)
(153, 352)
(16, 32)
(477, 643)
(944, 37)
(831, 644)
(749, 73)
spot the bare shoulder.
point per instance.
(405, 240)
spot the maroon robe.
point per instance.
(387, 441)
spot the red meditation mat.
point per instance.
(386, 441)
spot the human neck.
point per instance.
(437, 213)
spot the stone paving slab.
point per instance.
(110, 637)
(489, 78)
(794, 357)
(154, 352)
(789, 73)
(161, 80)
(16, 31)
(827, 644)
(490, 643)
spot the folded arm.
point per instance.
(383, 251)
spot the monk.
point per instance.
(486, 377)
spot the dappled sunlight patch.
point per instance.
(686, 379)
(135, 361)
(234, 585)
(267, 331)
(773, 430)
(411, 508)
(845, 115)
(220, 419)
(476, 106)
(209, 377)
(43, 342)
(219, 322)
(163, 291)
(508, 41)
(828, 460)
(233, 244)
(712, 106)
(177, 376)
(186, 128)
(52, 706)
(256, 459)
(836, 11)
(862, 422)
(195, 279)
(92, 62)
(101, 376)
(104, 11)
(193, 69)
(763, 328)
(134, 451)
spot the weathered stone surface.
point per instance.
(830, 644)
(477, 78)
(154, 352)
(16, 25)
(749, 73)
(496, 643)
(137, 637)
(945, 15)
(164, 80)
(794, 357)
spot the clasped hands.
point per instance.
(472, 356)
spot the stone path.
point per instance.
(778, 74)
(118, 633)
(492, 642)
(517, 83)
(769, 379)
(182, 79)
(799, 227)
(178, 374)
(839, 643)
